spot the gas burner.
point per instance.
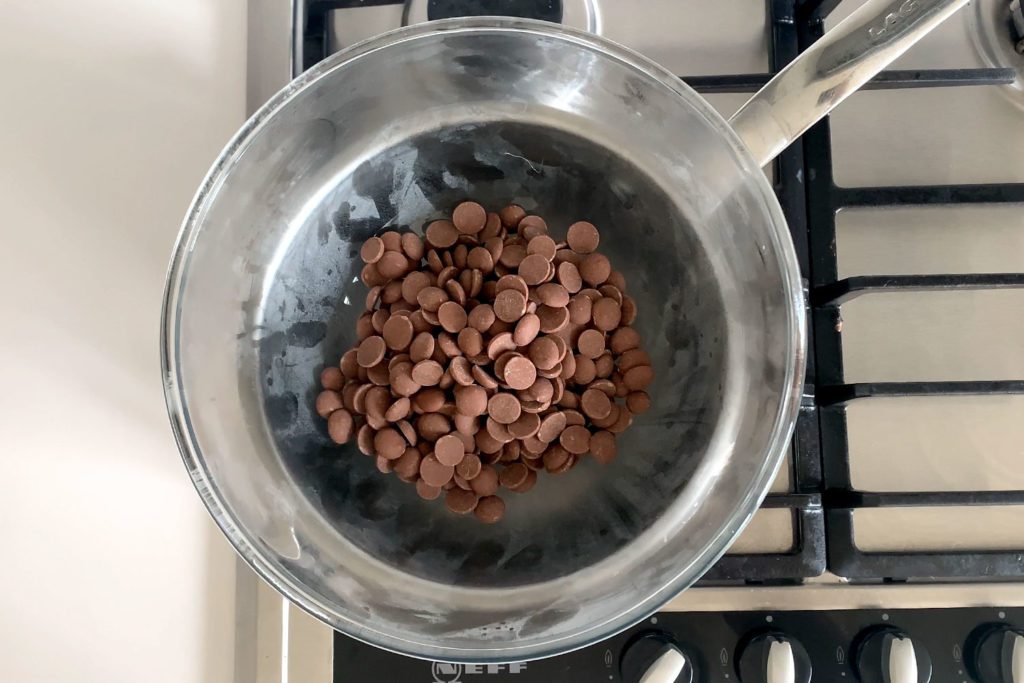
(581, 14)
(997, 30)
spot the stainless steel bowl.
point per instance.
(263, 292)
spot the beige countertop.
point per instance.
(112, 111)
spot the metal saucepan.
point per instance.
(262, 292)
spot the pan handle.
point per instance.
(838, 64)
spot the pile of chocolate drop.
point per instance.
(488, 353)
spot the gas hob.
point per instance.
(899, 509)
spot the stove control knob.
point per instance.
(997, 654)
(888, 655)
(654, 657)
(773, 658)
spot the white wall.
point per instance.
(110, 113)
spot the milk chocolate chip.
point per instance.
(487, 325)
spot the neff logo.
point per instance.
(453, 673)
(893, 18)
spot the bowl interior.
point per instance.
(567, 522)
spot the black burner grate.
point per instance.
(823, 499)
(828, 292)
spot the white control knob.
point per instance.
(996, 654)
(666, 668)
(888, 655)
(773, 658)
(1017, 659)
(902, 661)
(781, 665)
(655, 657)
